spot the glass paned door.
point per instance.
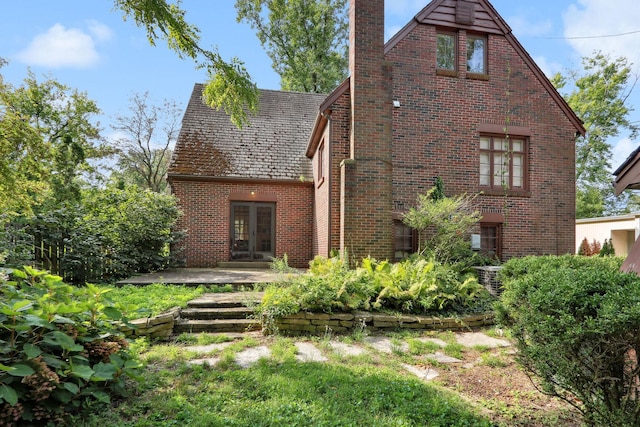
(252, 231)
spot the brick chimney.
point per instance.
(366, 177)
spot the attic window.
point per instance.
(446, 52)
(465, 13)
(476, 54)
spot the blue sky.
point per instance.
(86, 45)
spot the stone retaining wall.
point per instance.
(319, 323)
(160, 326)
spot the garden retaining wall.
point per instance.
(320, 323)
(161, 326)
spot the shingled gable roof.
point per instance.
(270, 147)
(442, 13)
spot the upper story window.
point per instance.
(503, 163)
(320, 164)
(476, 54)
(446, 51)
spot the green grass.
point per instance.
(158, 297)
(202, 339)
(281, 392)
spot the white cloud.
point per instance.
(522, 27)
(61, 47)
(620, 151)
(597, 18)
(100, 31)
(549, 68)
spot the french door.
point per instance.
(252, 231)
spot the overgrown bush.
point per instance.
(576, 322)
(443, 223)
(113, 233)
(61, 350)
(416, 285)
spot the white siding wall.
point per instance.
(621, 230)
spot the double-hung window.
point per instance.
(503, 163)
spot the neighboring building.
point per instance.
(621, 231)
(453, 94)
(628, 178)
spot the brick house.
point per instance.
(453, 95)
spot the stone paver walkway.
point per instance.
(309, 352)
(386, 345)
(345, 350)
(472, 339)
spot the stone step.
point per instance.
(218, 325)
(207, 313)
(226, 300)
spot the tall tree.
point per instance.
(229, 87)
(47, 136)
(600, 98)
(307, 40)
(149, 134)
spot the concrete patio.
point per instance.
(208, 276)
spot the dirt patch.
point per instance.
(493, 380)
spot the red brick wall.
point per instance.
(207, 224)
(322, 183)
(366, 183)
(436, 133)
(340, 131)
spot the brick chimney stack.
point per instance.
(366, 177)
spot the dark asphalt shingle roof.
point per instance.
(272, 146)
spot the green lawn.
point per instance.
(156, 298)
(360, 391)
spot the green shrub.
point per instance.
(60, 349)
(518, 267)
(416, 285)
(111, 234)
(443, 223)
(576, 322)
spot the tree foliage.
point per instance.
(305, 39)
(229, 87)
(575, 321)
(113, 233)
(47, 137)
(600, 98)
(145, 149)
